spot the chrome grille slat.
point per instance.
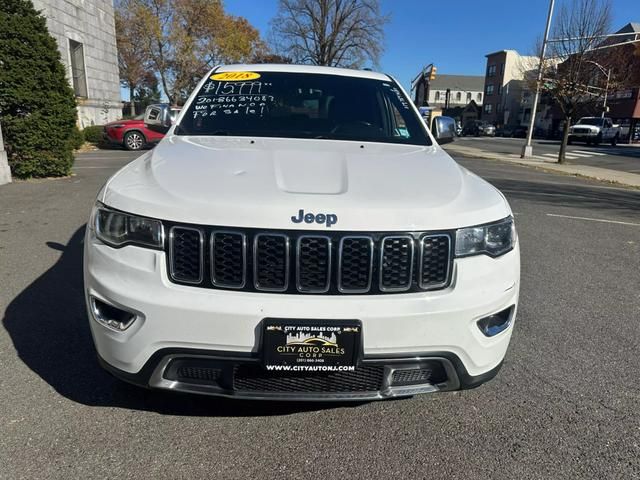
(331, 263)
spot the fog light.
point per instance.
(496, 323)
(110, 316)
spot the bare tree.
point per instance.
(576, 72)
(337, 33)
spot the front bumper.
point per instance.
(583, 135)
(407, 329)
(240, 376)
(110, 137)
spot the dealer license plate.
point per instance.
(322, 343)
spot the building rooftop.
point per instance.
(467, 83)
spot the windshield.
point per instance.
(302, 105)
(590, 121)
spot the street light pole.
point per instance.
(606, 90)
(527, 149)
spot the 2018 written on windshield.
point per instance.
(232, 98)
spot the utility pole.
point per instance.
(5, 172)
(606, 91)
(527, 149)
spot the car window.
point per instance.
(590, 121)
(302, 105)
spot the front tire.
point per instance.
(134, 140)
(598, 140)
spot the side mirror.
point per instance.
(158, 118)
(444, 129)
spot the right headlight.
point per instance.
(493, 239)
(118, 229)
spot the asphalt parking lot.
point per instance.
(565, 404)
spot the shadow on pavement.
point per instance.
(622, 202)
(50, 331)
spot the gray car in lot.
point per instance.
(478, 128)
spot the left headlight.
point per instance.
(493, 239)
(118, 229)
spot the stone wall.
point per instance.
(91, 23)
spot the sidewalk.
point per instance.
(596, 173)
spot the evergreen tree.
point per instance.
(37, 105)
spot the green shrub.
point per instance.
(37, 106)
(77, 138)
(93, 134)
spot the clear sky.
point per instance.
(453, 34)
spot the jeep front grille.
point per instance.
(307, 262)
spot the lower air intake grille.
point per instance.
(411, 377)
(198, 373)
(256, 379)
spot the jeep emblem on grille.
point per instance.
(322, 218)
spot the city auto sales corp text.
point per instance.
(308, 351)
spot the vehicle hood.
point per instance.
(263, 182)
(593, 128)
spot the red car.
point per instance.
(132, 134)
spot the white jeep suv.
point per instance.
(299, 234)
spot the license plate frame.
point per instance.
(328, 344)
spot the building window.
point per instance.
(502, 69)
(458, 96)
(490, 89)
(76, 51)
(488, 108)
(491, 71)
(437, 96)
(479, 97)
(468, 97)
(499, 89)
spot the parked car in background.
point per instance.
(594, 130)
(132, 134)
(519, 132)
(478, 128)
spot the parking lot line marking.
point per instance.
(601, 220)
(598, 154)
